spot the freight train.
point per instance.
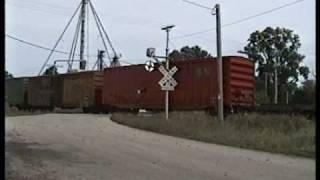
(131, 88)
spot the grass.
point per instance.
(13, 111)
(291, 135)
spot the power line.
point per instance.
(48, 49)
(35, 45)
(196, 4)
(57, 12)
(126, 62)
(40, 46)
(239, 21)
(100, 32)
(42, 10)
(174, 46)
(104, 31)
(55, 6)
(54, 10)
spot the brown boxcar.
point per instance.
(82, 89)
(16, 91)
(45, 92)
(132, 87)
(72, 90)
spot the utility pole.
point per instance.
(220, 70)
(216, 11)
(167, 29)
(83, 23)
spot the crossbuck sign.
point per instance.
(167, 83)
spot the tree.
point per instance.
(277, 48)
(260, 93)
(8, 75)
(51, 70)
(305, 94)
(187, 53)
(309, 87)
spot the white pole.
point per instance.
(167, 29)
(167, 67)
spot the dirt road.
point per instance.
(78, 146)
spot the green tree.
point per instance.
(8, 75)
(51, 70)
(305, 94)
(260, 95)
(187, 53)
(277, 48)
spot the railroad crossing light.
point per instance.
(151, 52)
(82, 65)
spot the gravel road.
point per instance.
(83, 146)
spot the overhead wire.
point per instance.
(103, 41)
(240, 20)
(104, 31)
(47, 11)
(126, 62)
(229, 24)
(196, 4)
(40, 46)
(34, 45)
(54, 50)
(176, 37)
(101, 27)
(174, 46)
(55, 6)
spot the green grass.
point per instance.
(13, 111)
(291, 135)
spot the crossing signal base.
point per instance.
(167, 87)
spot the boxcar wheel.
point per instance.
(85, 110)
(105, 111)
(95, 110)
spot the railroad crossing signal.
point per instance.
(167, 83)
(149, 66)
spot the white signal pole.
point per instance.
(167, 29)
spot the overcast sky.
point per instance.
(134, 25)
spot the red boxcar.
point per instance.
(132, 87)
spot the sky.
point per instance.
(135, 25)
